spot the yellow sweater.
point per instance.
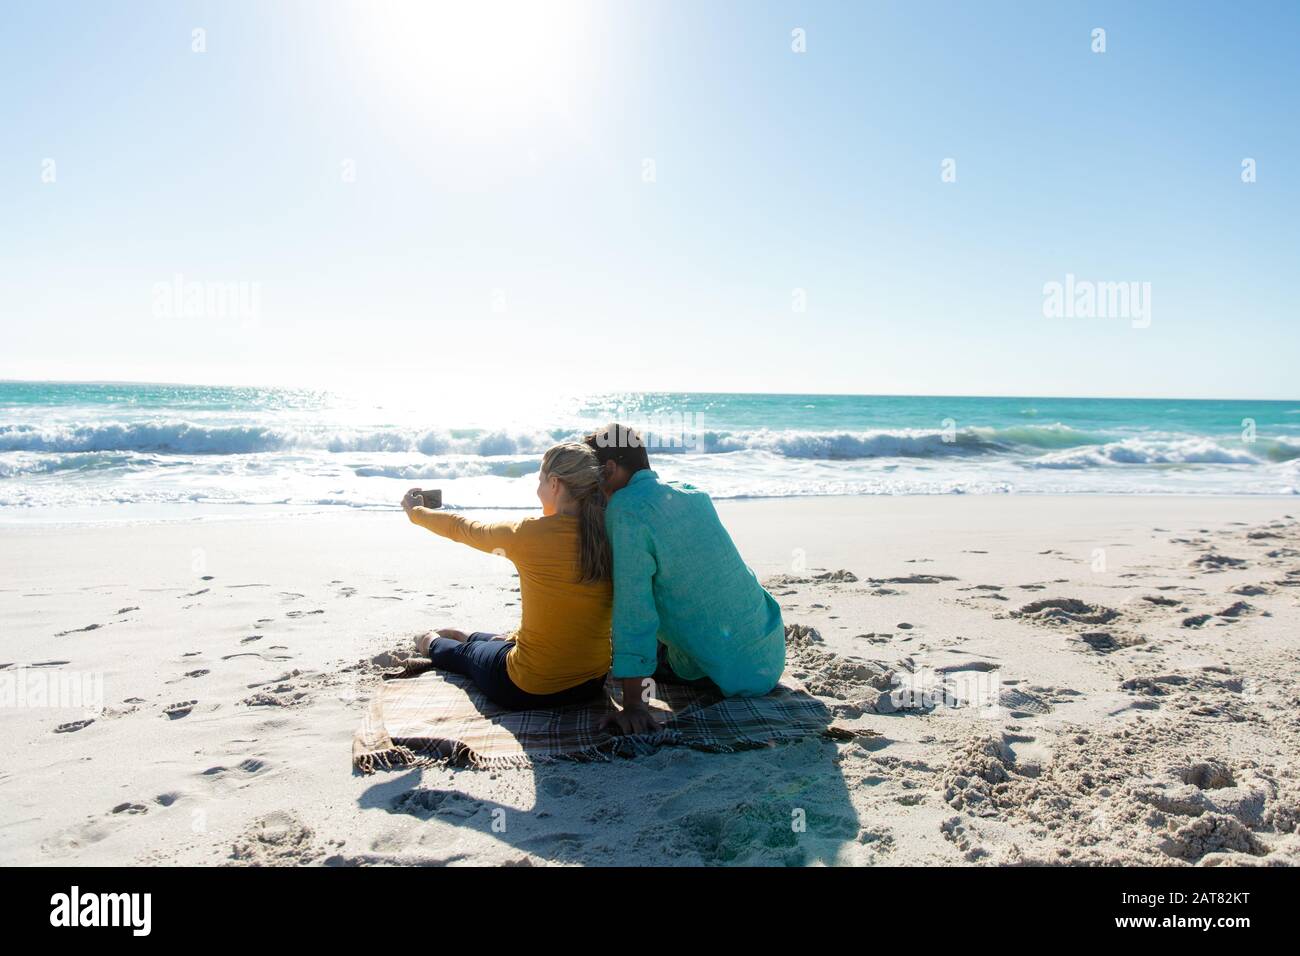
(563, 638)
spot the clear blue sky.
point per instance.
(504, 151)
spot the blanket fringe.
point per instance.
(390, 758)
(398, 757)
(461, 755)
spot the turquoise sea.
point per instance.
(78, 450)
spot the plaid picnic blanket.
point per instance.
(430, 716)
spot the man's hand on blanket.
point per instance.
(635, 717)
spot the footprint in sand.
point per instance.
(283, 696)
(130, 808)
(1213, 562)
(1238, 609)
(1249, 590)
(287, 676)
(251, 638)
(279, 837)
(980, 666)
(79, 630)
(73, 726)
(558, 786)
(296, 614)
(423, 802)
(838, 576)
(1057, 611)
(1104, 642)
(126, 610)
(250, 766)
(875, 638)
(179, 710)
(913, 579)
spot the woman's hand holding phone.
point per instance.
(422, 498)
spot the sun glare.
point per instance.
(477, 64)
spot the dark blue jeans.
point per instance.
(482, 658)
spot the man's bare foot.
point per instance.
(424, 640)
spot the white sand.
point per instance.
(1147, 742)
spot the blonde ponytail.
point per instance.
(576, 467)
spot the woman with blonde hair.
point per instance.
(561, 650)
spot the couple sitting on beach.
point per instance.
(621, 565)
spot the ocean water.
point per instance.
(80, 451)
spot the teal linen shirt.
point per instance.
(678, 579)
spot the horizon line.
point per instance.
(314, 388)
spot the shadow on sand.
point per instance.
(783, 805)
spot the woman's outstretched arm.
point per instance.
(493, 538)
